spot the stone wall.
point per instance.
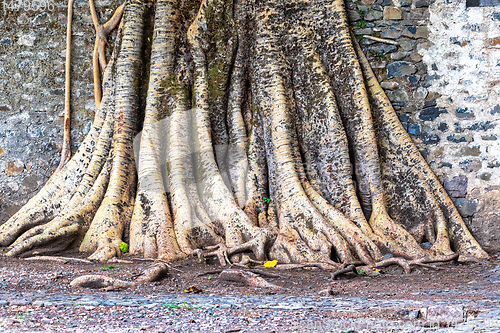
(443, 79)
(441, 76)
(32, 60)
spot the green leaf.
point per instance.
(124, 247)
(107, 268)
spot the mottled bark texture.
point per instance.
(263, 134)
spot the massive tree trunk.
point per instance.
(264, 134)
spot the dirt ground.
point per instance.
(449, 282)
(19, 275)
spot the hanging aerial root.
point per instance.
(98, 56)
(66, 146)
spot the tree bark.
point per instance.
(265, 136)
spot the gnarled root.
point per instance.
(247, 278)
(153, 273)
(404, 263)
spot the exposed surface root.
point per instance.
(153, 273)
(403, 263)
(98, 282)
(58, 259)
(246, 277)
(348, 269)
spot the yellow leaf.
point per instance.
(272, 263)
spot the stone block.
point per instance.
(431, 113)
(443, 315)
(398, 95)
(400, 68)
(392, 13)
(389, 85)
(466, 207)
(420, 93)
(373, 15)
(470, 151)
(391, 33)
(430, 139)
(485, 224)
(416, 32)
(456, 187)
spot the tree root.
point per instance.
(248, 278)
(348, 269)
(98, 282)
(58, 259)
(153, 273)
(404, 263)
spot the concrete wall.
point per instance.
(442, 78)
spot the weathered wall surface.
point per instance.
(32, 60)
(465, 62)
(442, 77)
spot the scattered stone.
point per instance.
(14, 168)
(414, 314)
(21, 301)
(6, 41)
(446, 315)
(485, 176)
(26, 40)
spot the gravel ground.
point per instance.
(35, 297)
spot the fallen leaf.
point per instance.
(272, 263)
